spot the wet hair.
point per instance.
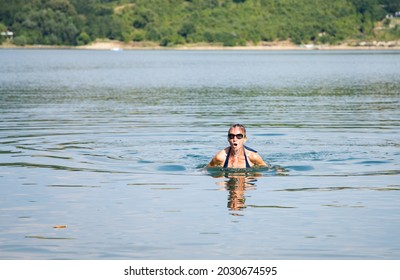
(240, 126)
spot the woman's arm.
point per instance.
(218, 159)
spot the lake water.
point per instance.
(102, 154)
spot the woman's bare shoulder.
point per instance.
(223, 153)
(255, 158)
(219, 158)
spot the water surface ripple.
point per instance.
(102, 154)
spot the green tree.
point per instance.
(227, 22)
(186, 30)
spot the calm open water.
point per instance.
(113, 146)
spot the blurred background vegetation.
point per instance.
(176, 22)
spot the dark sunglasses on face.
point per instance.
(238, 136)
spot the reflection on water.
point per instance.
(114, 145)
(236, 187)
(237, 183)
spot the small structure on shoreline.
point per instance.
(7, 34)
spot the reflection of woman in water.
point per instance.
(237, 155)
(236, 187)
(237, 184)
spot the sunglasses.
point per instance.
(238, 136)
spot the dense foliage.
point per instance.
(171, 22)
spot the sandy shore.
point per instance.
(282, 45)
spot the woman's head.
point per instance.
(237, 136)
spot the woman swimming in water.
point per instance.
(237, 155)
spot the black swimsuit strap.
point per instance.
(227, 158)
(245, 157)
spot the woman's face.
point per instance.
(236, 137)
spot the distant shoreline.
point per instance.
(265, 46)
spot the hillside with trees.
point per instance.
(176, 22)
